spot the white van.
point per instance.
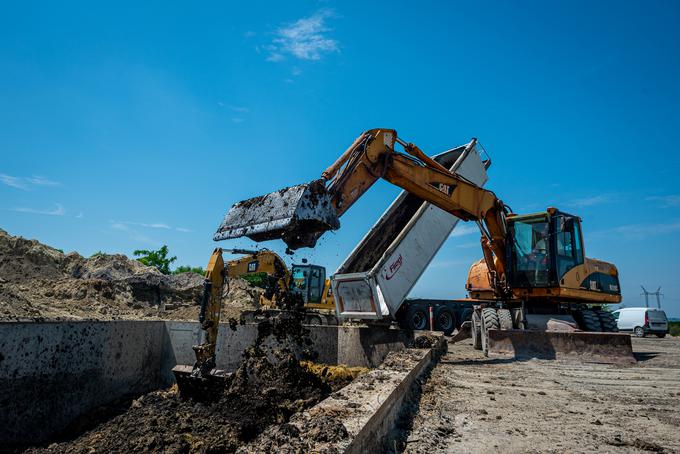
(642, 321)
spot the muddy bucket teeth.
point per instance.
(298, 215)
(197, 386)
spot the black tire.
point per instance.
(466, 316)
(639, 331)
(589, 321)
(445, 320)
(504, 319)
(416, 318)
(314, 320)
(607, 321)
(476, 330)
(660, 335)
(490, 321)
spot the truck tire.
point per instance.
(589, 321)
(416, 318)
(504, 319)
(490, 321)
(466, 316)
(607, 321)
(660, 335)
(445, 320)
(476, 329)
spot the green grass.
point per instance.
(674, 328)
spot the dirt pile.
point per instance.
(40, 282)
(260, 393)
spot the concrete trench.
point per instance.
(53, 372)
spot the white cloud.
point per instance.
(591, 201)
(667, 201)
(80, 215)
(463, 229)
(249, 34)
(57, 211)
(305, 39)
(124, 225)
(237, 120)
(132, 233)
(25, 183)
(641, 231)
(239, 109)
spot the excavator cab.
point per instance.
(308, 281)
(543, 248)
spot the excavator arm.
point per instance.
(373, 156)
(301, 214)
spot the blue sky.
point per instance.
(125, 126)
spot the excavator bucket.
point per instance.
(298, 215)
(193, 384)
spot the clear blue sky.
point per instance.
(125, 126)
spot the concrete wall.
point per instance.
(52, 372)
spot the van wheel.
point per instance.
(639, 332)
(446, 321)
(416, 318)
(476, 329)
(504, 319)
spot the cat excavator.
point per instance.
(534, 276)
(533, 272)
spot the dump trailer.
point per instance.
(374, 280)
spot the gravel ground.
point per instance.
(477, 404)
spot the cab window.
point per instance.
(531, 257)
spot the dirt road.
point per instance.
(476, 404)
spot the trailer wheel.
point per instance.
(416, 317)
(607, 321)
(639, 331)
(446, 321)
(476, 329)
(504, 319)
(490, 321)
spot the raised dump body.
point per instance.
(379, 273)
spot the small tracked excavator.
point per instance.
(263, 268)
(533, 273)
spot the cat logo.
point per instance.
(252, 266)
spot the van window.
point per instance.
(658, 316)
(616, 314)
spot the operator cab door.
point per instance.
(308, 281)
(568, 245)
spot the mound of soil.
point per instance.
(39, 282)
(260, 393)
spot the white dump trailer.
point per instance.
(377, 276)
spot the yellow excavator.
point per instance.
(533, 272)
(266, 269)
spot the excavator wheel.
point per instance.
(589, 321)
(490, 321)
(607, 321)
(476, 331)
(505, 319)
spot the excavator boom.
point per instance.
(301, 214)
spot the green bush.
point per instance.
(158, 258)
(189, 269)
(674, 328)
